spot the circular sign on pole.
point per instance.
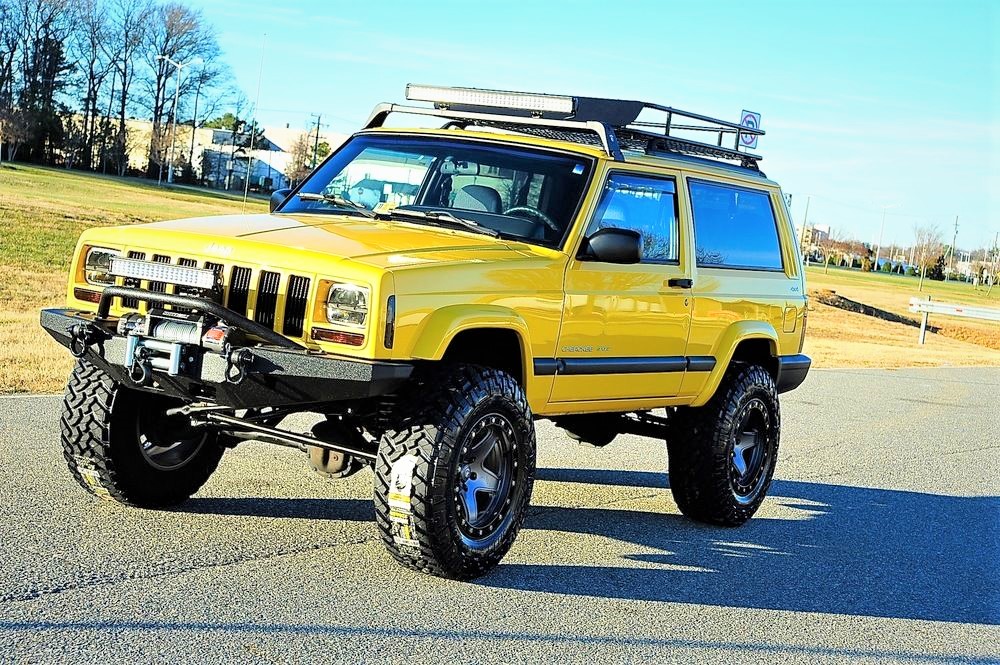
(751, 120)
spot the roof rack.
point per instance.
(610, 124)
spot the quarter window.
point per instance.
(646, 205)
(734, 227)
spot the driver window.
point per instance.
(644, 204)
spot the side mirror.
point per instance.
(278, 197)
(613, 245)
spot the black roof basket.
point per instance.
(611, 124)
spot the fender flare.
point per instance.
(726, 347)
(441, 326)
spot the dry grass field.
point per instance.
(838, 338)
(43, 211)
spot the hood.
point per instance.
(381, 244)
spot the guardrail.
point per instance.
(927, 307)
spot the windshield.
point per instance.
(518, 193)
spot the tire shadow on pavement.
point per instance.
(847, 550)
(348, 510)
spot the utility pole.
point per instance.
(194, 129)
(318, 117)
(802, 231)
(951, 253)
(878, 250)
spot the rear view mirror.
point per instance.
(278, 197)
(452, 167)
(613, 245)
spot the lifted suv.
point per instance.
(429, 294)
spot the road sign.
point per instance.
(751, 120)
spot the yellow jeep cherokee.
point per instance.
(429, 293)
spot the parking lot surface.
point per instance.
(880, 541)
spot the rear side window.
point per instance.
(734, 227)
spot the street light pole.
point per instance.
(177, 88)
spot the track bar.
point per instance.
(281, 437)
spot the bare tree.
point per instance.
(299, 159)
(927, 244)
(129, 22)
(38, 69)
(830, 245)
(94, 64)
(181, 34)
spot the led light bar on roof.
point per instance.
(444, 97)
(163, 272)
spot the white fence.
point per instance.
(926, 307)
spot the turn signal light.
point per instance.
(351, 339)
(87, 295)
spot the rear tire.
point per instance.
(120, 444)
(453, 481)
(722, 455)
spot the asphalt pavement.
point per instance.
(880, 542)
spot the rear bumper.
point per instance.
(273, 376)
(792, 371)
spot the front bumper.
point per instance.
(271, 376)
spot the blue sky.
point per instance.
(865, 104)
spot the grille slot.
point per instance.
(267, 298)
(132, 282)
(159, 287)
(295, 306)
(239, 288)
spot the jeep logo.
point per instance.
(219, 250)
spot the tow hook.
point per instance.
(139, 371)
(81, 337)
(237, 363)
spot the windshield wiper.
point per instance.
(443, 216)
(337, 201)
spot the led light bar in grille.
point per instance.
(163, 272)
(444, 96)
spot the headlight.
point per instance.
(347, 305)
(97, 266)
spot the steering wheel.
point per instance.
(537, 214)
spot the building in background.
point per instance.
(222, 159)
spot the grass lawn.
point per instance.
(900, 288)
(840, 338)
(42, 213)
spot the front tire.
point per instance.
(453, 481)
(120, 444)
(722, 455)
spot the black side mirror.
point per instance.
(613, 245)
(278, 197)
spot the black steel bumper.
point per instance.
(271, 375)
(792, 371)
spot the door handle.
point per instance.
(680, 282)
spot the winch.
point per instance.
(168, 341)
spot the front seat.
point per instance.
(479, 198)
